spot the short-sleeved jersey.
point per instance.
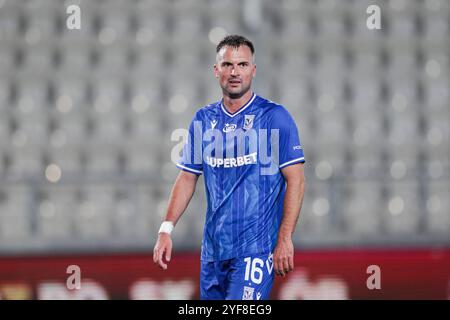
(241, 156)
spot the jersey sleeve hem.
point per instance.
(197, 172)
(294, 161)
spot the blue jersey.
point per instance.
(240, 156)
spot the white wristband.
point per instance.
(166, 227)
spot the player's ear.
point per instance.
(216, 71)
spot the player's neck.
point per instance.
(233, 105)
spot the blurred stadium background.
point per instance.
(86, 118)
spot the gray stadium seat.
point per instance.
(222, 15)
(39, 58)
(147, 206)
(31, 129)
(435, 26)
(40, 23)
(115, 58)
(68, 158)
(403, 135)
(365, 149)
(70, 127)
(108, 128)
(15, 222)
(56, 210)
(316, 215)
(70, 92)
(128, 221)
(294, 94)
(438, 208)
(102, 159)
(10, 21)
(361, 207)
(402, 208)
(116, 21)
(402, 64)
(24, 162)
(296, 25)
(402, 25)
(5, 87)
(436, 144)
(93, 218)
(74, 55)
(141, 159)
(4, 130)
(32, 94)
(152, 18)
(437, 96)
(7, 58)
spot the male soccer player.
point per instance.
(249, 150)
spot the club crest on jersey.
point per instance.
(213, 124)
(248, 121)
(229, 127)
(248, 293)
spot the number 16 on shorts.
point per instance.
(253, 268)
(258, 277)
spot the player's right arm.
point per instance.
(180, 196)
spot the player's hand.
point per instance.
(283, 256)
(163, 248)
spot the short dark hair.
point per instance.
(235, 41)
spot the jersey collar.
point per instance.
(240, 110)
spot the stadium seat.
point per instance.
(10, 22)
(149, 212)
(41, 23)
(56, 209)
(437, 96)
(24, 161)
(366, 152)
(102, 159)
(435, 27)
(4, 131)
(402, 25)
(402, 212)
(127, 221)
(141, 159)
(152, 21)
(361, 207)
(224, 16)
(39, 58)
(317, 212)
(115, 58)
(93, 217)
(69, 158)
(436, 145)
(7, 59)
(15, 221)
(438, 207)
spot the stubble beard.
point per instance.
(236, 95)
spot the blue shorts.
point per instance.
(247, 278)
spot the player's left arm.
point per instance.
(295, 188)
